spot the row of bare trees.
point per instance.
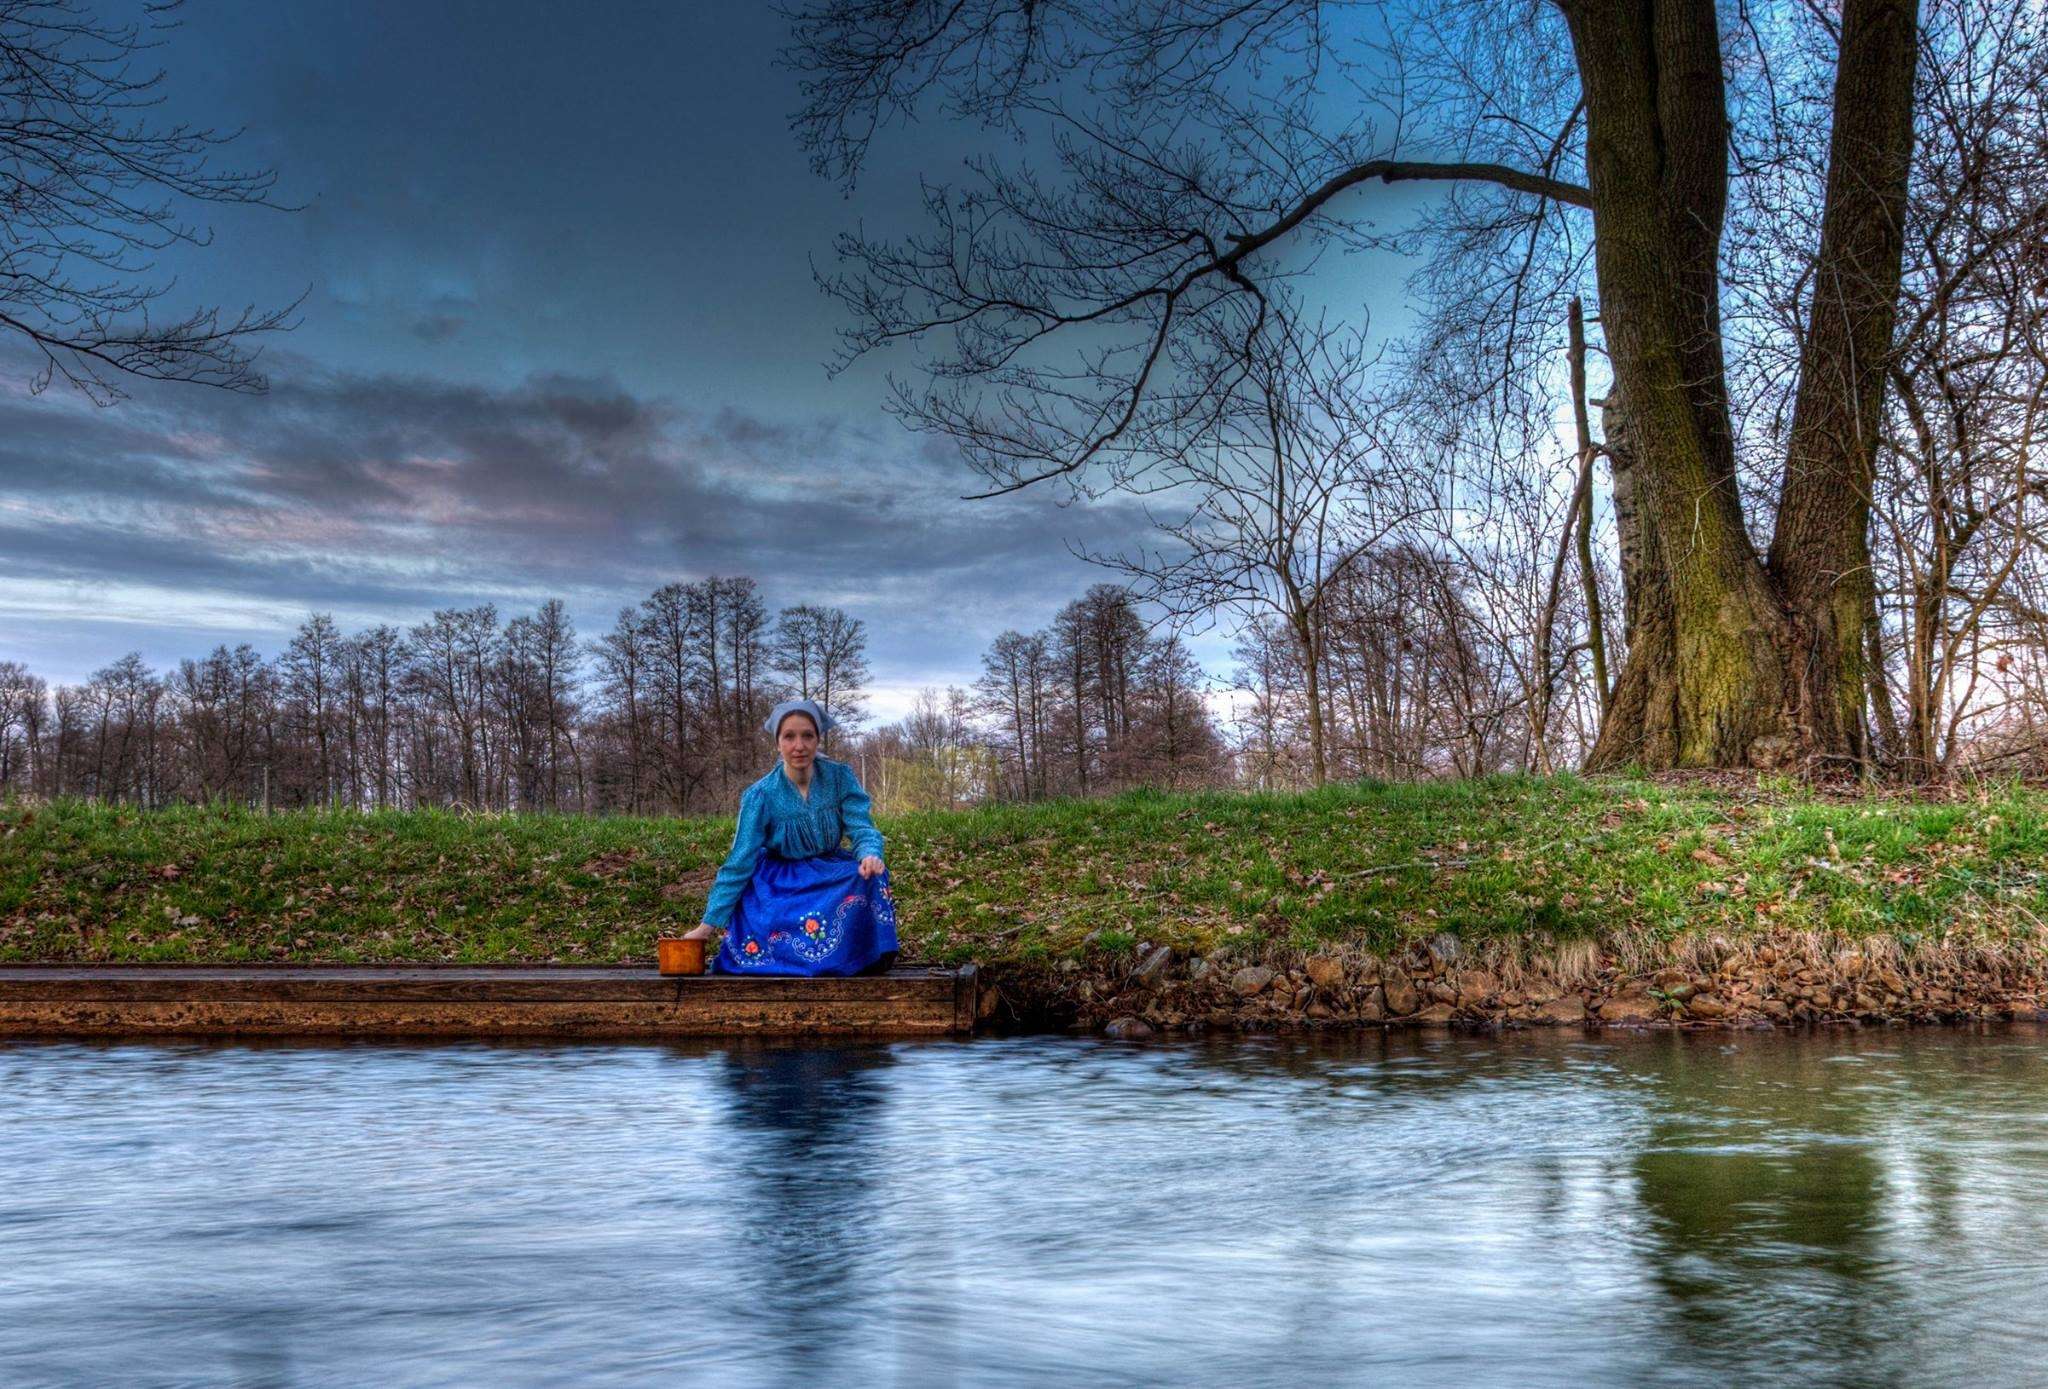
(1095, 703)
(660, 714)
(465, 708)
(684, 680)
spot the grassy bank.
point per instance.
(1368, 867)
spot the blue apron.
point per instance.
(810, 916)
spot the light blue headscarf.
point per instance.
(823, 721)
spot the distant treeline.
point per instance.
(661, 714)
(1416, 678)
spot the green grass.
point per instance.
(1545, 859)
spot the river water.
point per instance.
(1862, 1208)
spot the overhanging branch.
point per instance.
(1405, 171)
(1228, 264)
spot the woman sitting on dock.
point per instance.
(805, 906)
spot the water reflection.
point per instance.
(799, 1170)
(1844, 1208)
(1760, 1167)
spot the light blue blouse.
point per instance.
(775, 816)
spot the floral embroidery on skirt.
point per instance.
(810, 916)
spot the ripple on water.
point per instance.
(1564, 1210)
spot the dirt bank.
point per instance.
(1777, 979)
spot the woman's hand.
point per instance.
(870, 866)
(704, 931)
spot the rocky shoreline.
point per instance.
(1779, 979)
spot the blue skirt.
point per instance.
(810, 916)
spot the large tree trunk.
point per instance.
(1704, 680)
(1820, 553)
(1726, 664)
(1319, 765)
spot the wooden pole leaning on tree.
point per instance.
(1574, 536)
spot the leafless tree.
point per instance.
(623, 701)
(92, 183)
(376, 662)
(1957, 497)
(1174, 741)
(223, 699)
(24, 713)
(1415, 679)
(455, 652)
(822, 653)
(536, 687)
(1016, 693)
(1280, 479)
(311, 671)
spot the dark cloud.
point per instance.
(436, 327)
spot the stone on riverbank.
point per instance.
(1325, 971)
(1252, 979)
(1633, 1006)
(1151, 971)
(1476, 987)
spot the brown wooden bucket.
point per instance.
(678, 956)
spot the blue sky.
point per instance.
(560, 338)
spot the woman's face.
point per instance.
(798, 740)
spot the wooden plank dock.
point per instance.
(466, 1000)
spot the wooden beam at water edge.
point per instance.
(464, 1000)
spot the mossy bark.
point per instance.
(1704, 639)
(1820, 554)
